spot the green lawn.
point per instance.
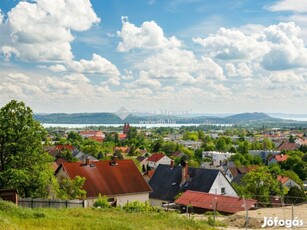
(12, 217)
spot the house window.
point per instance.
(223, 190)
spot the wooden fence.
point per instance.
(48, 203)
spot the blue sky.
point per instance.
(178, 55)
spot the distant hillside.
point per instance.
(252, 118)
(110, 118)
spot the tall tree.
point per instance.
(23, 163)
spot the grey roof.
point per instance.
(165, 182)
(237, 179)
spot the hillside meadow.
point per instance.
(13, 218)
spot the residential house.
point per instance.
(277, 158)
(81, 156)
(92, 134)
(143, 161)
(287, 182)
(201, 202)
(124, 150)
(117, 179)
(263, 154)
(158, 158)
(56, 150)
(178, 154)
(286, 146)
(218, 158)
(169, 181)
(236, 172)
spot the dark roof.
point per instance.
(140, 158)
(224, 204)
(165, 182)
(237, 179)
(108, 179)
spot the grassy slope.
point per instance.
(12, 217)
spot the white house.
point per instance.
(287, 182)
(158, 158)
(218, 158)
(168, 181)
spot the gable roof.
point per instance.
(238, 170)
(178, 154)
(288, 146)
(109, 179)
(140, 159)
(282, 179)
(165, 182)
(155, 157)
(279, 158)
(225, 204)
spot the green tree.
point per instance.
(23, 163)
(259, 184)
(72, 188)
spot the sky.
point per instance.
(200, 56)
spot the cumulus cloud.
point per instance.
(148, 36)
(41, 30)
(232, 44)
(57, 68)
(276, 47)
(285, 77)
(76, 78)
(97, 65)
(289, 5)
(287, 49)
(19, 77)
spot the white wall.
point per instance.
(221, 182)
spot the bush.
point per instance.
(137, 206)
(102, 202)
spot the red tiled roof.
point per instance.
(60, 161)
(61, 147)
(288, 146)
(282, 179)
(103, 178)
(90, 133)
(122, 136)
(155, 157)
(96, 138)
(124, 149)
(280, 158)
(225, 204)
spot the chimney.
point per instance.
(172, 164)
(87, 161)
(185, 171)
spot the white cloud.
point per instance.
(287, 50)
(244, 70)
(19, 77)
(232, 44)
(170, 64)
(148, 36)
(275, 47)
(230, 69)
(289, 5)
(145, 81)
(57, 68)
(98, 65)
(41, 30)
(76, 78)
(286, 77)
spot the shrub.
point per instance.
(102, 202)
(137, 206)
